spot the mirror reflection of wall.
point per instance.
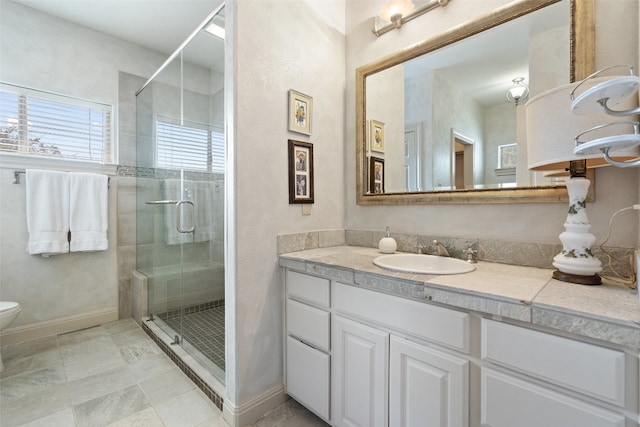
(461, 89)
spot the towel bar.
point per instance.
(16, 177)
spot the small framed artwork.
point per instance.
(300, 110)
(507, 156)
(376, 136)
(300, 172)
(376, 175)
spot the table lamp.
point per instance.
(552, 128)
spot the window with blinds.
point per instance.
(192, 146)
(49, 125)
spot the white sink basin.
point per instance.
(426, 264)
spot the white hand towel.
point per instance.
(47, 211)
(88, 212)
(203, 207)
(176, 189)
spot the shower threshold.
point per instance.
(194, 369)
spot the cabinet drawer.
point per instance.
(308, 324)
(586, 368)
(509, 402)
(308, 376)
(437, 324)
(308, 288)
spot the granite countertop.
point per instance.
(609, 312)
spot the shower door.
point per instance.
(180, 203)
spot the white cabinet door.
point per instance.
(308, 376)
(359, 375)
(427, 388)
(509, 402)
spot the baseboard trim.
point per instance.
(250, 411)
(61, 325)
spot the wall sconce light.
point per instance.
(395, 13)
(518, 91)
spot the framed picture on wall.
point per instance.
(376, 175)
(376, 136)
(300, 110)
(507, 156)
(300, 172)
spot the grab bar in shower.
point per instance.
(177, 203)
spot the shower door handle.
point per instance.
(193, 227)
(177, 203)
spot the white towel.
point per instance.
(47, 211)
(203, 196)
(88, 212)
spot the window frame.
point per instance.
(108, 151)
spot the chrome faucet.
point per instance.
(439, 249)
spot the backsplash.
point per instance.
(501, 251)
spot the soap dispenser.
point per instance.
(387, 244)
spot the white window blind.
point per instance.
(44, 124)
(191, 146)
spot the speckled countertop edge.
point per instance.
(609, 312)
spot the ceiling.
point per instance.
(484, 65)
(160, 25)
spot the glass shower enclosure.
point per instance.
(180, 150)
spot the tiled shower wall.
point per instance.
(128, 85)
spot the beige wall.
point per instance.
(74, 288)
(615, 188)
(281, 45)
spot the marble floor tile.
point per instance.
(166, 386)
(111, 376)
(90, 357)
(148, 368)
(186, 410)
(30, 348)
(21, 365)
(135, 345)
(105, 382)
(145, 418)
(289, 414)
(63, 418)
(34, 406)
(82, 336)
(109, 408)
(20, 386)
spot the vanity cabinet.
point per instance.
(307, 354)
(384, 370)
(533, 378)
(359, 357)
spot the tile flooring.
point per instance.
(111, 375)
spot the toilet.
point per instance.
(8, 312)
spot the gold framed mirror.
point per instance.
(581, 63)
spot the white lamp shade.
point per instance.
(517, 91)
(552, 127)
(395, 7)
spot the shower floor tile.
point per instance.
(205, 331)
